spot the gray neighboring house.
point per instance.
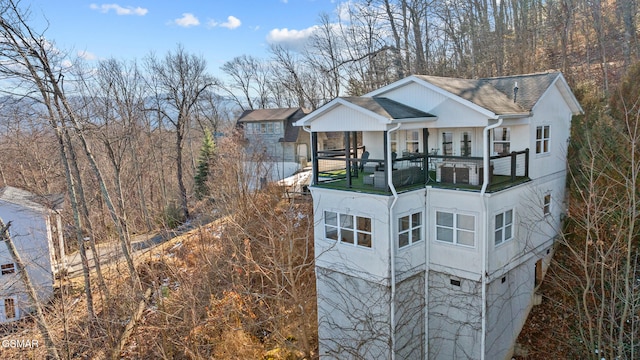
(272, 133)
(36, 231)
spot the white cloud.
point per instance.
(187, 20)
(231, 23)
(294, 39)
(86, 55)
(120, 10)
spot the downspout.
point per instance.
(392, 257)
(485, 221)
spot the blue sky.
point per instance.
(216, 29)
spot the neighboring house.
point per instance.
(35, 226)
(434, 245)
(271, 132)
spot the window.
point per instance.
(546, 204)
(504, 227)
(6, 269)
(542, 139)
(465, 144)
(447, 143)
(502, 140)
(413, 141)
(409, 229)
(9, 308)
(455, 228)
(277, 128)
(394, 142)
(348, 229)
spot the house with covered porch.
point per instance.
(437, 213)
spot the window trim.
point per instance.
(14, 309)
(354, 227)
(505, 141)
(410, 230)
(455, 228)
(412, 141)
(503, 227)
(543, 142)
(546, 205)
(447, 143)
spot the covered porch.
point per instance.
(353, 168)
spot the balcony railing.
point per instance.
(416, 170)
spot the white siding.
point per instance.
(31, 237)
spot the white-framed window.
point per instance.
(447, 143)
(277, 128)
(394, 141)
(502, 140)
(413, 141)
(8, 268)
(546, 204)
(348, 229)
(465, 143)
(409, 229)
(9, 308)
(542, 139)
(455, 228)
(504, 227)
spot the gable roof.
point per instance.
(387, 108)
(480, 92)
(495, 94)
(267, 114)
(29, 200)
(382, 109)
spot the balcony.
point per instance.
(337, 169)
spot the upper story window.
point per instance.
(345, 228)
(8, 268)
(542, 139)
(409, 229)
(546, 204)
(447, 143)
(502, 140)
(271, 127)
(504, 227)
(455, 228)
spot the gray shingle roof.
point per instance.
(387, 108)
(267, 114)
(27, 199)
(496, 94)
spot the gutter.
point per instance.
(485, 222)
(392, 257)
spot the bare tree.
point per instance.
(179, 81)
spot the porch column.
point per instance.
(347, 156)
(387, 161)
(314, 157)
(425, 152)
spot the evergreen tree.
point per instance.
(202, 172)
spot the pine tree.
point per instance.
(202, 173)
